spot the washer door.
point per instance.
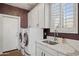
(20, 37)
(26, 39)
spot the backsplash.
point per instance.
(66, 35)
(61, 35)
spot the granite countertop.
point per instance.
(62, 48)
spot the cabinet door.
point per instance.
(45, 53)
(46, 15)
(30, 19)
(55, 16)
(35, 17)
(41, 52)
(59, 54)
(38, 51)
(41, 15)
(69, 20)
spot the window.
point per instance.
(68, 14)
(64, 17)
(55, 14)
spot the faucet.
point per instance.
(56, 33)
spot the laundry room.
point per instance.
(39, 29)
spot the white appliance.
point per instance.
(22, 38)
(33, 34)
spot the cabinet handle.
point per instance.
(62, 26)
(44, 54)
(37, 25)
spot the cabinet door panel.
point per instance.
(46, 50)
(47, 19)
(29, 19)
(59, 54)
(35, 16)
(47, 54)
(39, 51)
(41, 15)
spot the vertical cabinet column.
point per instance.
(41, 16)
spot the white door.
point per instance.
(10, 33)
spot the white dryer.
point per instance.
(33, 35)
(29, 36)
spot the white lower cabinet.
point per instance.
(38, 51)
(46, 53)
(60, 54)
(42, 50)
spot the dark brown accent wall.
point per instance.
(67, 35)
(10, 10)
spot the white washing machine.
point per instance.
(24, 40)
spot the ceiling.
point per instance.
(27, 6)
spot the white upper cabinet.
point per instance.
(39, 16)
(64, 17)
(43, 15)
(30, 19)
(46, 15)
(33, 18)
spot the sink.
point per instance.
(50, 42)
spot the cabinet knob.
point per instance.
(62, 26)
(37, 24)
(44, 54)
